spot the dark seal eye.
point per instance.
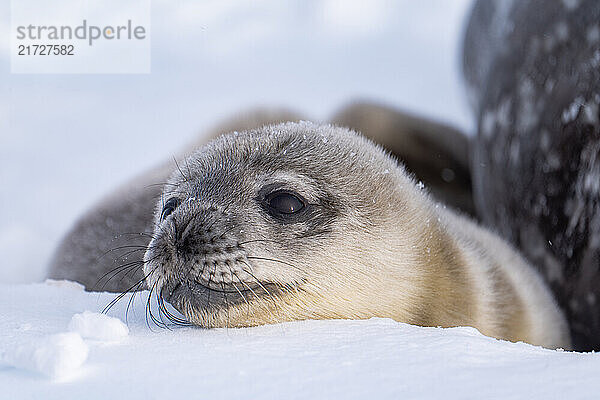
(285, 203)
(169, 207)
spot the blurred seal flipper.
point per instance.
(104, 249)
(437, 154)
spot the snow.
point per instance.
(58, 356)
(61, 355)
(376, 358)
(91, 325)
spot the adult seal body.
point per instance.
(533, 70)
(301, 221)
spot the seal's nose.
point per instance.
(182, 229)
(194, 236)
(202, 236)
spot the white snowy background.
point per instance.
(67, 139)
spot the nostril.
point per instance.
(169, 207)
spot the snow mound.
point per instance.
(97, 326)
(376, 358)
(57, 356)
(65, 284)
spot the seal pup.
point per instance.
(104, 248)
(303, 221)
(533, 73)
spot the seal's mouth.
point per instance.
(225, 288)
(185, 295)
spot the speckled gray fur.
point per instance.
(533, 74)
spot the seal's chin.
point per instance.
(230, 306)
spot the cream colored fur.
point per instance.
(397, 254)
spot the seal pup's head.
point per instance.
(287, 222)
